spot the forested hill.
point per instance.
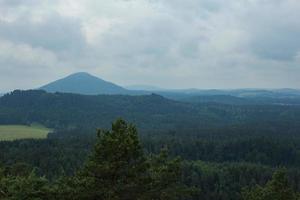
(61, 110)
(149, 112)
(84, 83)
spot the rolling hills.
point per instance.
(149, 112)
(87, 84)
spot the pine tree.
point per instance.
(117, 168)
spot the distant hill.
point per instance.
(87, 84)
(84, 83)
(274, 93)
(236, 97)
(148, 112)
(222, 99)
(60, 110)
(144, 88)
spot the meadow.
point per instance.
(15, 132)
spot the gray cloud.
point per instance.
(14, 3)
(169, 43)
(274, 29)
(55, 33)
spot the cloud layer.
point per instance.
(168, 43)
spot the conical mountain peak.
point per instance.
(84, 83)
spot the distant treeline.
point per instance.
(149, 112)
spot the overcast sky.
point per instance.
(166, 43)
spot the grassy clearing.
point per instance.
(15, 132)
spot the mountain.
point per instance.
(84, 83)
(144, 88)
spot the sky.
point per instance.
(167, 43)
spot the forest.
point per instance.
(160, 149)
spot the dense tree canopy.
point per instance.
(276, 189)
(117, 169)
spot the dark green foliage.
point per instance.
(117, 165)
(29, 187)
(149, 112)
(276, 189)
(51, 157)
(166, 178)
(230, 145)
(223, 180)
(117, 169)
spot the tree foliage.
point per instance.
(276, 189)
(117, 169)
(118, 165)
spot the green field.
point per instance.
(15, 132)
